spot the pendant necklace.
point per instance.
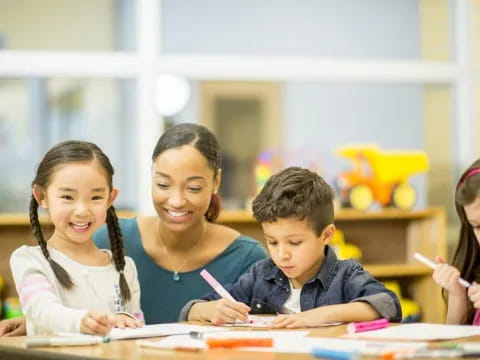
(176, 276)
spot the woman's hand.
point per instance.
(96, 323)
(447, 277)
(123, 321)
(13, 327)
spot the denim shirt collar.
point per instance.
(325, 275)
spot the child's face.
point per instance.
(473, 216)
(295, 248)
(182, 186)
(77, 200)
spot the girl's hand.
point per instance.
(225, 311)
(123, 321)
(97, 323)
(474, 295)
(298, 320)
(13, 327)
(447, 277)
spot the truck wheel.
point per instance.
(404, 196)
(360, 197)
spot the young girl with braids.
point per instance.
(463, 303)
(66, 284)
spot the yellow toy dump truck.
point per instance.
(379, 175)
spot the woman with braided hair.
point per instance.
(66, 283)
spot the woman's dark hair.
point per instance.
(205, 142)
(295, 193)
(467, 254)
(72, 152)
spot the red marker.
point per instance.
(239, 342)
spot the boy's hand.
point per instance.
(447, 277)
(97, 323)
(298, 320)
(474, 295)
(123, 321)
(13, 327)
(221, 311)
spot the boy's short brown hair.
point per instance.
(298, 193)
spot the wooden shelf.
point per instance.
(397, 270)
(244, 216)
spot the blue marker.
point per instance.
(334, 354)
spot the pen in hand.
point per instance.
(432, 265)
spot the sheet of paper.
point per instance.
(159, 330)
(255, 321)
(264, 322)
(173, 342)
(420, 331)
(271, 334)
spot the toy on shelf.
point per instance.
(410, 309)
(269, 161)
(344, 250)
(263, 169)
(11, 308)
(380, 176)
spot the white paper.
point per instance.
(175, 341)
(258, 334)
(159, 330)
(265, 322)
(420, 331)
(254, 321)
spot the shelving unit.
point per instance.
(387, 238)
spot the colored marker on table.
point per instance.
(431, 264)
(219, 289)
(66, 341)
(356, 327)
(334, 354)
(238, 342)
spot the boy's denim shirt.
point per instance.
(266, 289)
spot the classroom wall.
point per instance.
(58, 24)
(341, 28)
(320, 115)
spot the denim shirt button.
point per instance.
(259, 306)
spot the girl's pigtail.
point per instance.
(60, 273)
(116, 245)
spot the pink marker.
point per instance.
(219, 289)
(355, 327)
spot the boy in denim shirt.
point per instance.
(303, 279)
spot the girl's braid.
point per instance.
(60, 273)
(116, 244)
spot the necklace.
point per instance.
(176, 276)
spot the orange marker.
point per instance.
(239, 342)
